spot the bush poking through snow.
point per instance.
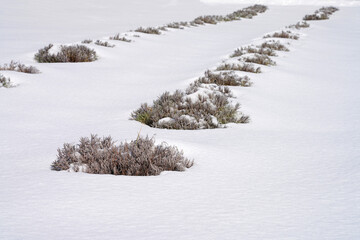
(299, 25)
(87, 41)
(18, 67)
(148, 30)
(239, 67)
(225, 79)
(252, 49)
(321, 14)
(74, 53)
(118, 38)
(5, 82)
(258, 59)
(104, 44)
(274, 45)
(180, 111)
(140, 157)
(177, 25)
(283, 34)
(248, 12)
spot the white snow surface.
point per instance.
(292, 173)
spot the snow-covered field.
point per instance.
(293, 172)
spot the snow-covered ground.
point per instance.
(292, 173)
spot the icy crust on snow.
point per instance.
(288, 2)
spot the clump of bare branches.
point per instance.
(87, 41)
(245, 67)
(118, 38)
(19, 67)
(274, 45)
(104, 44)
(321, 14)
(299, 25)
(253, 49)
(258, 59)
(149, 30)
(180, 111)
(74, 53)
(283, 34)
(140, 157)
(5, 82)
(225, 79)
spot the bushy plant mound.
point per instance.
(274, 45)
(299, 25)
(149, 30)
(5, 82)
(87, 41)
(258, 59)
(248, 12)
(180, 110)
(177, 25)
(104, 44)
(253, 49)
(245, 67)
(19, 67)
(283, 34)
(74, 53)
(321, 14)
(140, 157)
(118, 38)
(225, 79)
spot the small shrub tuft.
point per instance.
(18, 67)
(225, 79)
(274, 45)
(299, 25)
(87, 41)
(140, 157)
(251, 49)
(5, 82)
(239, 67)
(258, 59)
(104, 44)
(283, 34)
(118, 38)
(148, 30)
(321, 14)
(74, 53)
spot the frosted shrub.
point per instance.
(180, 111)
(74, 53)
(321, 14)
(283, 34)
(225, 79)
(299, 25)
(252, 49)
(87, 41)
(104, 44)
(118, 38)
(259, 59)
(245, 67)
(274, 45)
(148, 30)
(177, 25)
(18, 67)
(5, 82)
(140, 157)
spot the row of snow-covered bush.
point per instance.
(206, 103)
